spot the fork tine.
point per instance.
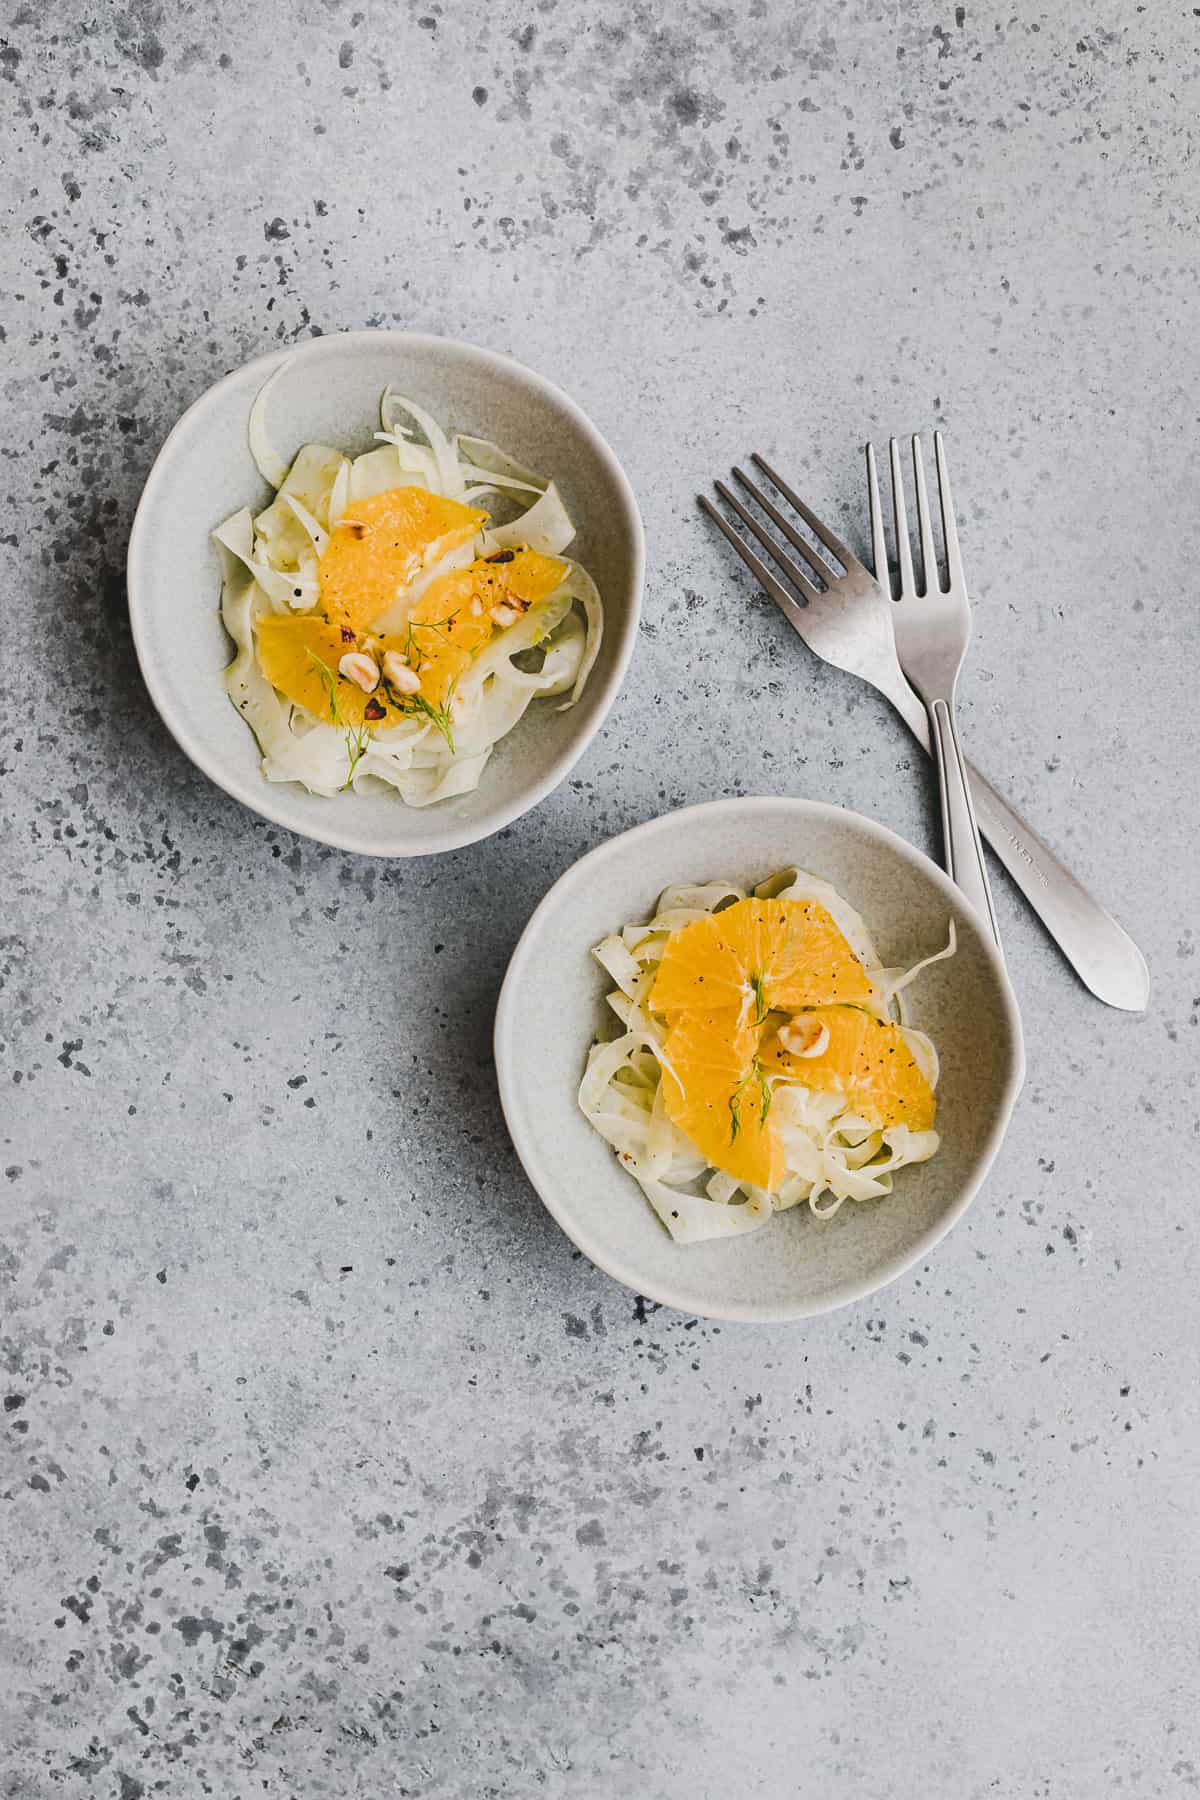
(757, 567)
(793, 572)
(830, 540)
(954, 568)
(788, 529)
(931, 579)
(879, 556)
(908, 585)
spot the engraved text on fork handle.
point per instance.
(1100, 950)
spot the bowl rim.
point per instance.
(508, 1023)
(140, 601)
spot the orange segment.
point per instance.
(381, 543)
(446, 628)
(714, 1091)
(532, 576)
(300, 657)
(796, 950)
(866, 1059)
(759, 954)
(700, 969)
(453, 618)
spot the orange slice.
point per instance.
(299, 656)
(382, 543)
(452, 620)
(530, 575)
(866, 1059)
(713, 1089)
(756, 955)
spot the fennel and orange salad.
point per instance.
(395, 613)
(759, 1065)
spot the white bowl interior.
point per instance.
(552, 1001)
(330, 392)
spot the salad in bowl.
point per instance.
(395, 613)
(478, 540)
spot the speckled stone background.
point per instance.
(329, 1469)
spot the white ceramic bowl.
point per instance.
(552, 1002)
(330, 393)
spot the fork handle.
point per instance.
(1100, 950)
(960, 833)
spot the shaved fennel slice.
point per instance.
(831, 1153)
(395, 757)
(489, 715)
(843, 1182)
(236, 535)
(483, 460)
(339, 494)
(494, 693)
(579, 586)
(310, 480)
(605, 1063)
(710, 896)
(271, 466)
(319, 758)
(534, 628)
(473, 495)
(415, 461)
(445, 780)
(571, 650)
(697, 1219)
(545, 527)
(625, 969)
(492, 470)
(317, 536)
(924, 1053)
(564, 654)
(450, 482)
(492, 706)
(378, 471)
(897, 980)
(650, 1030)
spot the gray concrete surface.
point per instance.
(329, 1469)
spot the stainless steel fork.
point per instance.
(932, 628)
(845, 618)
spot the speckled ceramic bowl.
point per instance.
(330, 392)
(552, 1002)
